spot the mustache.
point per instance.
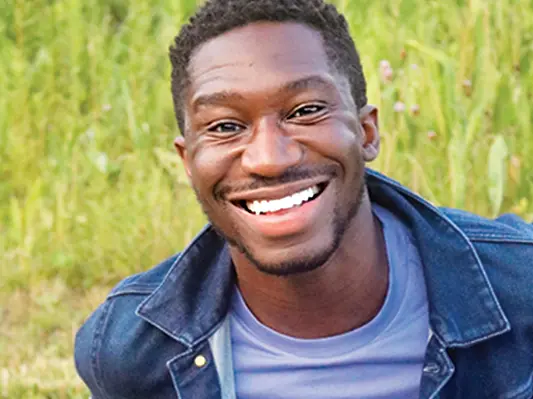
(292, 174)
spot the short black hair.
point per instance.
(216, 17)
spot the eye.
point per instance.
(225, 127)
(306, 110)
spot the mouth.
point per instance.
(265, 206)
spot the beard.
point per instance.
(308, 262)
(305, 262)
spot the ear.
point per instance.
(368, 117)
(179, 144)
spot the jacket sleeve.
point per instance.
(86, 352)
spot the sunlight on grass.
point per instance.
(90, 187)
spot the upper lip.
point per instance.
(275, 192)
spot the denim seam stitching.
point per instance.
(493, 237)
(169, 363)
(199, 341)
(498, 313)
(96, 345)
(456, 344)
(171, 270)
(492, 233)
(130, 292)
(451, 369)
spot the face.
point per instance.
(274, 146)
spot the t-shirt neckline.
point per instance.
(338, 345)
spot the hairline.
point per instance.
(332, 57)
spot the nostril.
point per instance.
(271, 155)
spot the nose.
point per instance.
(271, 151)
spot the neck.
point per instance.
(341, 295)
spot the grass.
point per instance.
(91, 191)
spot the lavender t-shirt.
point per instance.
(380, 360)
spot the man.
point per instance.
(316, 278)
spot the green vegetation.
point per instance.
(90, 188)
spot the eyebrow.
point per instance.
(224, 97)
(218, 98)
(310, 82)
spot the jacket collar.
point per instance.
(193, 299)
(463, 308)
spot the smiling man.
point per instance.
(316, 277)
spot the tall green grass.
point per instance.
(90, 188)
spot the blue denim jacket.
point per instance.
(164, 333)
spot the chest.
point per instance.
(372, 366)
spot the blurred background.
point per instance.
(91, 189)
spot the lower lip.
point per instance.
(285, 222)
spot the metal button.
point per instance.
(432, 368)
(200, 361)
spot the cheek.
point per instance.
(337, 140)
(209, 166)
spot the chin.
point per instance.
(287, 263)
(290, 268)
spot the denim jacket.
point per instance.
(164, 333)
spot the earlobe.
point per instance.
(368, 117)
(179, 144)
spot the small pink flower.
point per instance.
(432, 135)
(399, 107)
(383, 64)
(386, 71)
(415, 109)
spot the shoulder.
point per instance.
(504, 229)
(505, 248)
(143, 284)
(115, 346)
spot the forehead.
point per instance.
(257, 57)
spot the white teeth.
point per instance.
(296, 199)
